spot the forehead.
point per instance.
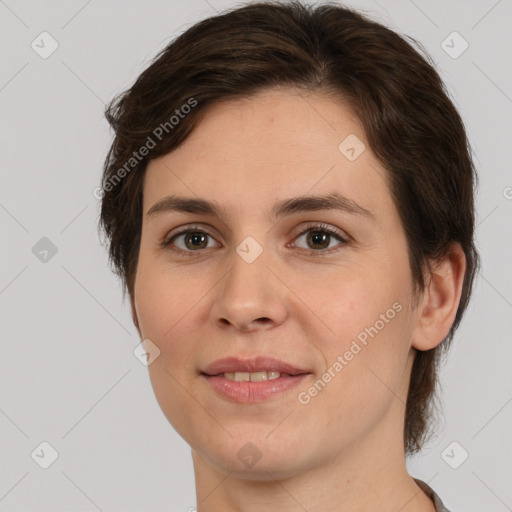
(277, 125)
(280, 143)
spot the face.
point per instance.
(326, 291)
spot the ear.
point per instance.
(438, 306)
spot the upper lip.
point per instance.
(255, 364)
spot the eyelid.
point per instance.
(321, 226)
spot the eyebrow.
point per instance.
(333, 201)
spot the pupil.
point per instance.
(319, 237)
(196, 237)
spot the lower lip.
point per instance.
(250, 392)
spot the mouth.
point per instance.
(253, 376)
(252, 380)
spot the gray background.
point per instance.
(68, 373)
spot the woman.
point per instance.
(288, 201)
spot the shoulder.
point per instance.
(440, 507)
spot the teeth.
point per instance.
(252, 377)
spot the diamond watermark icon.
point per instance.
(249, 454)
(44, 45)
(249, 249)
(351, 147)
(454, 455)
(44, 455)
(146, 352)
(454, 45)
(44, 250)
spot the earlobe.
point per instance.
(440, 302)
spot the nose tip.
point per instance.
(247, 299)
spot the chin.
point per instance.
(256, 457)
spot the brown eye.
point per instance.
(196, 240)
(319, 238)
(189, 240)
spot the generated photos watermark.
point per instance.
(304, 397)
(151, 141)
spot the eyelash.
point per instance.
(312, 227)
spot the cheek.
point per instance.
(163, 296)
(351, 300)
(165, 301)
(165, 306)
(363, 377)
(370, 326)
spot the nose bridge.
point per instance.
(248, 277)
(249, 292)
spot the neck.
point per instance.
(369, 476)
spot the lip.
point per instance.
(252, 392)
(255, 364)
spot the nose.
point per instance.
(250, 297)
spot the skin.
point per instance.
(344, 449)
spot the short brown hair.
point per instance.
(409, 121)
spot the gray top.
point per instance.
(432, 495)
